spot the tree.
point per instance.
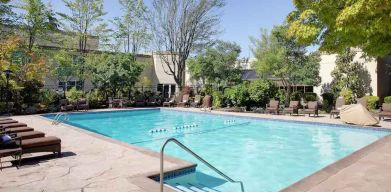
(84, 17)
(340, 24)
(350, 74)
(7, 16)
(38, 19)
(180, 27)
(217, 65)
(132, 26)
(114, 73)
(281, 56)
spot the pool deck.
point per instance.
(92, 162)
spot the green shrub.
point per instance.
(49, 97)
(217, 99)
(94, 99)
(207, 89)
(280, 96)
(328, 101)
(347, 94)
(373, 101)
(387, 99)
(296, 96)
(309, 96)
(73, 94)
(238, 95)
(261, 91)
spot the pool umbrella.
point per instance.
(358, 115)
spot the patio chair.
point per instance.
(178, 98)
(337, 108)
(8, 122)
(15, 152)
(185, 101)
(293, 108)
(197, 101)
(152, 101)
(28, 135)
(170, 103)
(363, 101)
(385, 111)
(42, 144)
(273, 107)
(16, 129)
(65, 105)
(312, 108)
(82, 104)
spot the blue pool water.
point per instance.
(267, 155)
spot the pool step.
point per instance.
(188, 187)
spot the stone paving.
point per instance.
(91, 162)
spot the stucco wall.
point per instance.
(327, 65)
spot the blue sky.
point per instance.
(240, 18)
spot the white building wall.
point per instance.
(327, 65)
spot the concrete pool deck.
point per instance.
(92, 162)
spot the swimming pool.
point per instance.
(267, 155)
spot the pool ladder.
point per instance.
(57, 119)
(194, 155)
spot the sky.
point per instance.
(240, 18)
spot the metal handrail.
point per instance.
(196, 156)
(57, 119)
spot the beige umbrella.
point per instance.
(358, 115)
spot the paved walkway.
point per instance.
(92, 162)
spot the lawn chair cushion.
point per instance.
(10, 125)
(18, 129)
(39, 142)
(7, 122)
(30, 135)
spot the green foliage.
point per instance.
(347, 94)
(31, 92)
(328, 101)
(310, 97)
(260, 92)
(217, 65)
(94, 99)
(217, 99)
(49, 97)
(340, 24)
(281, 56)
(207, 89)
(114, 73)
(352, 75)
(387, 99)
(373, 101)
(73, 94)
(296, 96)
(238, 95)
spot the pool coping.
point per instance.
(146, 182)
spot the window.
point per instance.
(70, 84)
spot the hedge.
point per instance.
(387, 99)
(373, 101)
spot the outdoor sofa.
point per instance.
(82, 104)
(65, 105)
(273, 107)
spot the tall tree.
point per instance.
(38, 19)
(350, 74)
(7, 16)
(84, 17)
(132, 25)
(217, 65)
(280, 56)
(340, 24)
(181, 26)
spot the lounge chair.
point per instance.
(8, 122)
(14, 152)
(5, 119)
(197, 101)
(16, 129)
(363, 101)
(207, 103)
(42, 144)
(170, 103)
(11, 125)
(293, 108)
(337, 109)
(28, 135)
(312, 108)
(65, 105)
(152, 101)
(82, 104)
(385, 111)
(140, 101)
(185, 101)
(273, 107)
